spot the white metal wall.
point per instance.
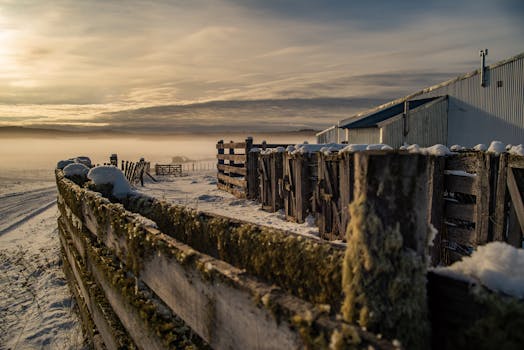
(479, 114)
(364, 135)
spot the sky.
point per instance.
(162, 65)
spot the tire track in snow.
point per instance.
(27, 217)
(17, 208)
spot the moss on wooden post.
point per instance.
(385, 263)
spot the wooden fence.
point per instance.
(238, 169)
(474, 197)
(168, 169)
(194, 282)
(199, 280)
(135, 171)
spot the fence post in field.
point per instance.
(384, 269)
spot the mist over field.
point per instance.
(43, 152)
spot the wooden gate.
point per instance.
(300, 171)
(271, 175)
(326, 203)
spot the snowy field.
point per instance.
(198, 190)
(36, 307)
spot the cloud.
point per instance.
(145, 54)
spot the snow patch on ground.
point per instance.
(198, 192)
(496, 265)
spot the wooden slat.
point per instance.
(514, 237)
(240, 182)
(233, 190)
(240, 158)
(232, 169)
(516, 197)
(102, 317)
(461, 236)
(462, 184)
(436, 205)
(221, 309)
(460, 211)
(468, 162)
(499, 216)
(483, 199)
(231, 145)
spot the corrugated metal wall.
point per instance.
(392, 133)
(426, 126)
(479, 114)
(331, 135)
(364, 135)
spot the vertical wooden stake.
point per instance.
(436, 167)
(384, 271)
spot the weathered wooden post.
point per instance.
(113, 159)
(251, 166)
(220, 163)
(346, 187)
(436, 168)
(384, 271)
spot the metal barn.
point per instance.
(478, 107)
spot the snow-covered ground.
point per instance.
(36, 307)
(199, 190)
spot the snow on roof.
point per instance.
(496, 265)
(76, 169)
(108, 174)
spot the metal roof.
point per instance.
(373, 119)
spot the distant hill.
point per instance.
(21, 131)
